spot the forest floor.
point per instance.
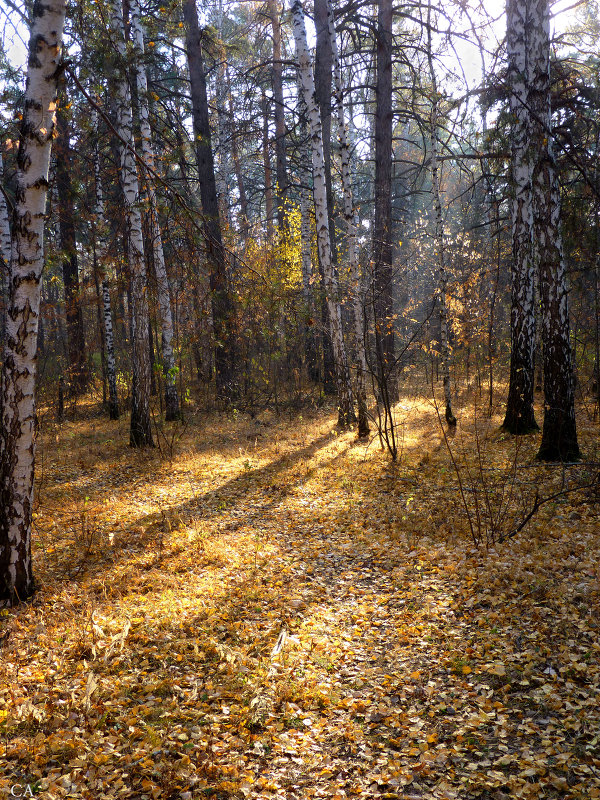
(269, 608)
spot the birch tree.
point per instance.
(100, 229)
(5, 248)
(559, 433)
(520, 416)
(172, 410)
(358, 297)
(439, 228)
(140, 430)
(342, 374)
(304, 169)
(17, 436)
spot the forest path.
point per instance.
(279, 612)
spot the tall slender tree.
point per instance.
(5, 250)
(382, 284)
(439, 227)
(358, 295)
(274, 12)
(559, 433)
(344, 389)
(520, 416)
(163, 292)
(140, 429)
(78, 373)
(17, 432)
(101, 257)
(222, 301)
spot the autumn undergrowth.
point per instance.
(274, 609)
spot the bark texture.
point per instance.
(17, 442)
(5, 249)
(222, 302)
(78, 373)
(439, 230)
(140, 430)
(342, 373)
(101, 268)
(358, 297)
(520, 416)
(274, 12)
(163, 292)
(559, 433)
(382, 225)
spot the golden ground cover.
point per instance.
(269, 608)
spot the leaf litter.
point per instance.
(280, 612)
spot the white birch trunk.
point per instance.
(5, 248)
(358, 295)
(163, 291)
(343, 384)
(559, 434)
(439, 230)
(101, 259)
(519, 407)
(308, 277)
(17, 443)
(140, 431)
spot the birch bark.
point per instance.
(358, 296)
(140, 429)
(101, 261)
(237, 166)
(559, 433)
(439, 229)
(172, 410)
(308, 278)
(520, 416)
(344, 389)
(5, 248)
(17, 436)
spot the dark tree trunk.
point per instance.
(78, 374)
(267, 166)
(222, 303)
(237, 166)
(559, 434)
(323, 96)
(382, 227)
(278, 110)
